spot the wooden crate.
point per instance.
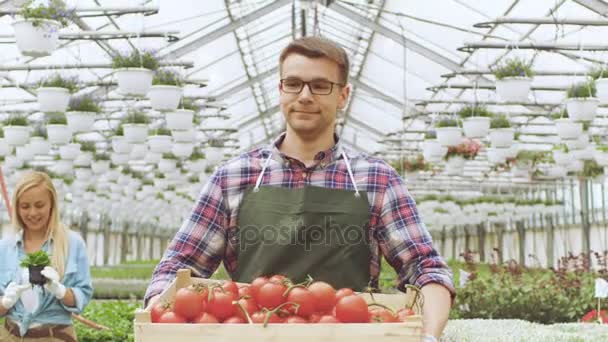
(145, 331)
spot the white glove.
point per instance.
(429, 338)
(53, 285)
(12, 293)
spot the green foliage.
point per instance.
(117, 315)
(193, 179)
(514, 67)
(592, 169)
(58, 119)
(136, 59)
(474, 111)
(561, 115)
(119, 131)
(169, 156)
(582, 90)
(55, 11)
(413, 164)
(101, 156)
(429, 135)
(39, 131)
(602, 148)
(446, 123)
(1, 132)
(196, 155)
(84, 103)
(500, 121)
(188, 104)
(16, 120)
(534, 157)
(87, 146)
(598, 72)
(167, 77)
(58, 81)
(39, 258)
(136, 117)
(161, 131)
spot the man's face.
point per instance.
(306, 113)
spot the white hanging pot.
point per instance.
(165, 97)
(581, 142)
(58, 134)
(16, 135)
(582, 109)
(513, 89)
(601, 85)
(63, 167)
(5, 148)
(36, 41)
(24, 152)
(119, 158)
(601, 158)
(214, 155)
(167, 165)
(81, 121)
(84, 174)
(449, 136)
(53, 99)
(180, 119)
(567, 129)
(112, 175)
(138, 151)
(135, 133)
(561, 157)
(454, 166)
(100, 166)
(13, 162)
(587, 153)
(39, 146)
(84, 159)
(476, 126)
(120, 144)
(183, 135)
(182, 150)
(502, 137)
(433, 151)
(497, 155)
(152, 157)
(134, 81)
(160, 143)
(197, 166)
(69, 151)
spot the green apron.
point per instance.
(316, 231)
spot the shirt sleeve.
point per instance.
(80, 281)
(406, 243)
(200, 242)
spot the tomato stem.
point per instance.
(382, 306)
(277, 309)
(244, 311)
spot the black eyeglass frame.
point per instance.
(304, 83)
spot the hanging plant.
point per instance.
(500, 121)
(582, 90)
(474, 111)
(513, 80)
(514, 67)
(446, 123)
(476, 121)
(600, 76)
(134, 72)
(167, 77)
(160, 131)
(136, 117)
(582, 102)
(119, 132)
(37, 34)
(84, 103)
(468, 150)
(414, 164)
(57, 119)
(39, 132)
(430, 135)
(196, 155)
(16, 120)
(591, 169)
(169, 156)
(135, 59)
(58, 81)
(166, 92)
(55, 10)
(81, 113)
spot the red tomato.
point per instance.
(245, 291)
(296, 320)
(171, 317)
(234, 320)
(249, 305)
(403, 313)
(277, 279)
(314, 318)
(325, 296)
(382, 315)
(231, 286)
(260, 316)
(270, 295)
(341, 293)
(190, 302)
(158, 310)
(205, 318)
(220, 305)
(256, 284)
(328, 319)
(352, 309)
(304, 298)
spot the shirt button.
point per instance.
(304, 174)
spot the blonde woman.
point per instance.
(31, 312)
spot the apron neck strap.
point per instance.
(261, 175)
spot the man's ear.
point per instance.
(343, 96)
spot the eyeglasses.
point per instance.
(317, 87)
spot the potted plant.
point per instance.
(168, 163)
(53, 93)
(182, 150)
(600, 76)
(134, 72)
(501, 134)
(35, 263)
(81, 113)
(16, 130)
(159, 140)
(601, 154)
(410, 166)
(182, 118)
(197, 161)
(582, 102)
(432, 150)
(456, 156)
(448, 132)
(591, 170)
(38, 142)
(215, 151)
(138, 150)
(567, 129)
(37, 34)
(119, 143)
(513, 80)
(475, 121)
(166, 91)
(135, 126)
(57, 129)
(561, 154)
(101, 163)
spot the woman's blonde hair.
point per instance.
(55, 229)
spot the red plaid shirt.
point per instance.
(207, 237)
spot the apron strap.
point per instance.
(350, 174)
(261, 175)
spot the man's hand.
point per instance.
(12, 294)
(53, 285)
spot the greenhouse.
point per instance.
(210, 163)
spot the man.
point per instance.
(306, 205)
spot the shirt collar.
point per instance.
(326, 157)
(19, 238)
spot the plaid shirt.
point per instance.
(208, 237)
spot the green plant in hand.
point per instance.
(40, 258)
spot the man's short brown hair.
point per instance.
(318, 47)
